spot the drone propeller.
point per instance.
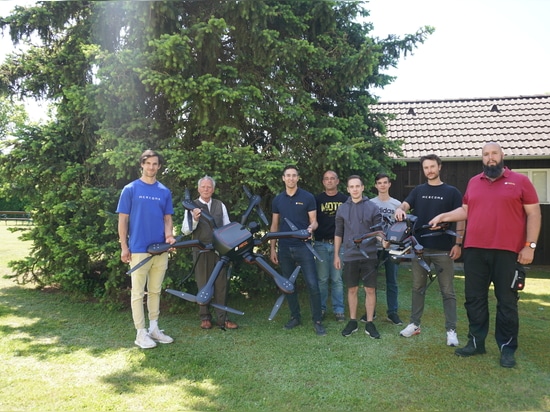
(282, 283)
(157, 249)
(281, 298)
(192, 298)
(254, 203)
(190, 205)
(442, 229)
(205, 294)
(308, 245)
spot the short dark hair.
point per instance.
(430, 157)
(381, 176)
(355, 177)
(291, 167)
(150, 153)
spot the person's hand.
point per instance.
(434, 223)
(337, 262)
(274, 257)
(125, 255)
(455, 252)
(526, 255)
(196, 214)
(400, 214)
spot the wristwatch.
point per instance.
(532, 245)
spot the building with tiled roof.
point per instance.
(456, 130)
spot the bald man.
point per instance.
(504, 220)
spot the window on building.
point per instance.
(541, 181)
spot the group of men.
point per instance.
(496, 202)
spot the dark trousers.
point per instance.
(289, 258)
(483, 267)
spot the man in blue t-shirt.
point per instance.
(300, 208)
(145, 217)
(427, 201)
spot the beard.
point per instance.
(492, 172)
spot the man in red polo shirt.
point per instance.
(504, 220)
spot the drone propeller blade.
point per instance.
(204, 296)
(424, 265)
(277, 306)
(247, 191)
(290, 224)
(184, 295)
(262, 215)
(253, 202)
(282, 283)
(140, 264)
(190, 205)
(308, 245)
(227, 309)
(281, 298)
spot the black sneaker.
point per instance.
(507, 359)
(319, 329)
(364, 317)
(471, 349)
(370, 330)
(394, 318)
(292, 323)
(350, 328)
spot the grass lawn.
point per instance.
(57, 353)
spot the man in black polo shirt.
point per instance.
(299, 207)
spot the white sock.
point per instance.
(153, 324)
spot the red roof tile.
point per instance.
(457, 129)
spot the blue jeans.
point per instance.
(326, 271)
(390, 268)
(289, 258)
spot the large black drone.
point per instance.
(233, 242)
(401, 237)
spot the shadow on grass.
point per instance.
(260, 366)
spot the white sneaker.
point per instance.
(452, 339)
(143, 340)
(410, 330)
(159, 336)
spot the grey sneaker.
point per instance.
(350, 328)
(319, 329)
(159, 336)
(340, 317)
(370, 330)
(143, 340)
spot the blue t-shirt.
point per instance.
(147, 204)
(296, 208)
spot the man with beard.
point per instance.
(504, 221)
(428, 200)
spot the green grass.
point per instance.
(57, 353)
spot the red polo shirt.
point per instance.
(496, 217)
